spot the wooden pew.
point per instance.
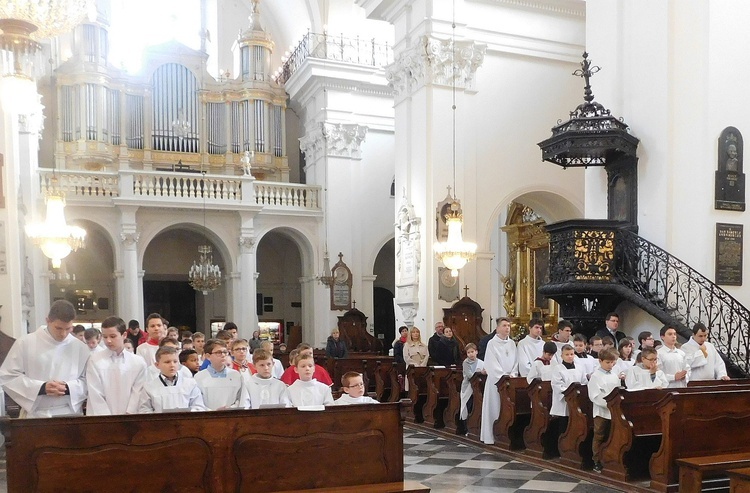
(515, 412)
(694, 469)
(474, 421)
(575, 442)
(540, 399)
(437, 395)
(210, 451)
(417, 392)
(363, 363)
(451, 416)
(635, 431)
(719, 423)
(387, 385)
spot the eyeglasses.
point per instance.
(240, 349)
(223, 352)
(355, 385)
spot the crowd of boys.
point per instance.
(61, 370)
(607, 360)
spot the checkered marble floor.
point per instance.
(451, 467)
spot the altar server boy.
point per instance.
(470, 366)
(169, 391)
(221, 386)
(563, 375)
(542, 367)
(114, 376)
(263, 387)
(646, 374)
(306, 391)
(353, 386)
(156, 332)
(602, 382)
(278, 368)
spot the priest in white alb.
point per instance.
(702, 357)
(115, 377)
(45, 371)
(499, 360)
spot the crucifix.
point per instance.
(354, 303)
(466, 291)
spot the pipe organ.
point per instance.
(175, 112)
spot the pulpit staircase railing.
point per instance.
(673, 292)
(596, 264)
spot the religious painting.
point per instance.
(730, 180)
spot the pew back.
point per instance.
(223, 451)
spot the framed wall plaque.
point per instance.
(729, 254)
(341, 287)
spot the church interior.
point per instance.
(299, 165)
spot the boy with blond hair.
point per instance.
(240, 358)
(353, 386)
(114, 376)
(169, 391)
(278, 368)
(320, 374)
(306, 391)
(262, 387)
(603, 381)
(221, 386)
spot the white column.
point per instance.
(366, 305)
(245, 313)
(129, 285)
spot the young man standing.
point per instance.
(44, 371)
(499, 360)
(702, 357)
(530, 347)
(114, 376)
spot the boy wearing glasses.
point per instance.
(221, 386)
(353, 386)
(240, 359)
(646, 374)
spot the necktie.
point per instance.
(703, 350)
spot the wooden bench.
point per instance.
(474, 420)
(451, 416)
(387, 385)
(575, 442)
(437, 395)
(218, 452)
(363, 363)
(739, 480)
(515, 412)
(540, 399)
(635, 432)
(417, 376)
(693, 469)
(718, 424)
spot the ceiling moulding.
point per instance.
(575, 8)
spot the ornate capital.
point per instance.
(247, 244)
(129, 238)
(436, 61)
(334, 139)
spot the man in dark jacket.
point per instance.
(612, 322)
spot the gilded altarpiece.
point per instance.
(528, 269)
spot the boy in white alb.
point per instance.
(470, 366)
(169, 391)
(647, 374)
(156, 332)
(542, 367)
(671, 360)
(530, 347)
(278, 368)
(354, 390)
(705, 362)
(114, 376)
(306, 391)
(499, 360)
(92, 337)
(221, 386)
(563, 375)
(602, 383)
(262, 387)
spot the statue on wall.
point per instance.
(730, 180)
(408, 261)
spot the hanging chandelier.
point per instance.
(54, 236)
(204, 275)
(22, 24)
(454, 252)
